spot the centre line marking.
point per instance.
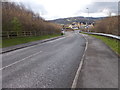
(20, 60)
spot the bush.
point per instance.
(15, 17)
(108, 25)
(16, 25)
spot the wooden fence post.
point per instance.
(31, 33)
(24, 33)
(35, 33)
(17, 34)
(8, 36)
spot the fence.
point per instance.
(107, 35)
(9, 34)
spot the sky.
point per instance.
(54, 9)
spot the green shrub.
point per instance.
(16, 25)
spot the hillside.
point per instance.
(76, 19)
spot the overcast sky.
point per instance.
(53, 9)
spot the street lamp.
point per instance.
(88, 19)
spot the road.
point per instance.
(49, 65)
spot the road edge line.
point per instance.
(80, 65)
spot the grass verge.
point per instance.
(21, 40)
(112, 43)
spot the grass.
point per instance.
(0, 42)
(112, 43)
(21, 40)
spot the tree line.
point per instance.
(109, 25)
(15, 17)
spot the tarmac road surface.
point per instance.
(49, 65)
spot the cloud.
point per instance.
(100, 6)
(39, 9)
(53, 9)
(33, 5)
(97, 9)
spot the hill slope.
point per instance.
(76, 19)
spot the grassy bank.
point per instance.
(112, 43)
(21, 40)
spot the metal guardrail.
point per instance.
(107, 35)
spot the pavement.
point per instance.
(51, 64)
(100, 67)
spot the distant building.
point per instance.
(74, 25)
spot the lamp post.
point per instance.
(88, 20)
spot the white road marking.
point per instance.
(54, 40)
(20, 60)
(80, 66)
